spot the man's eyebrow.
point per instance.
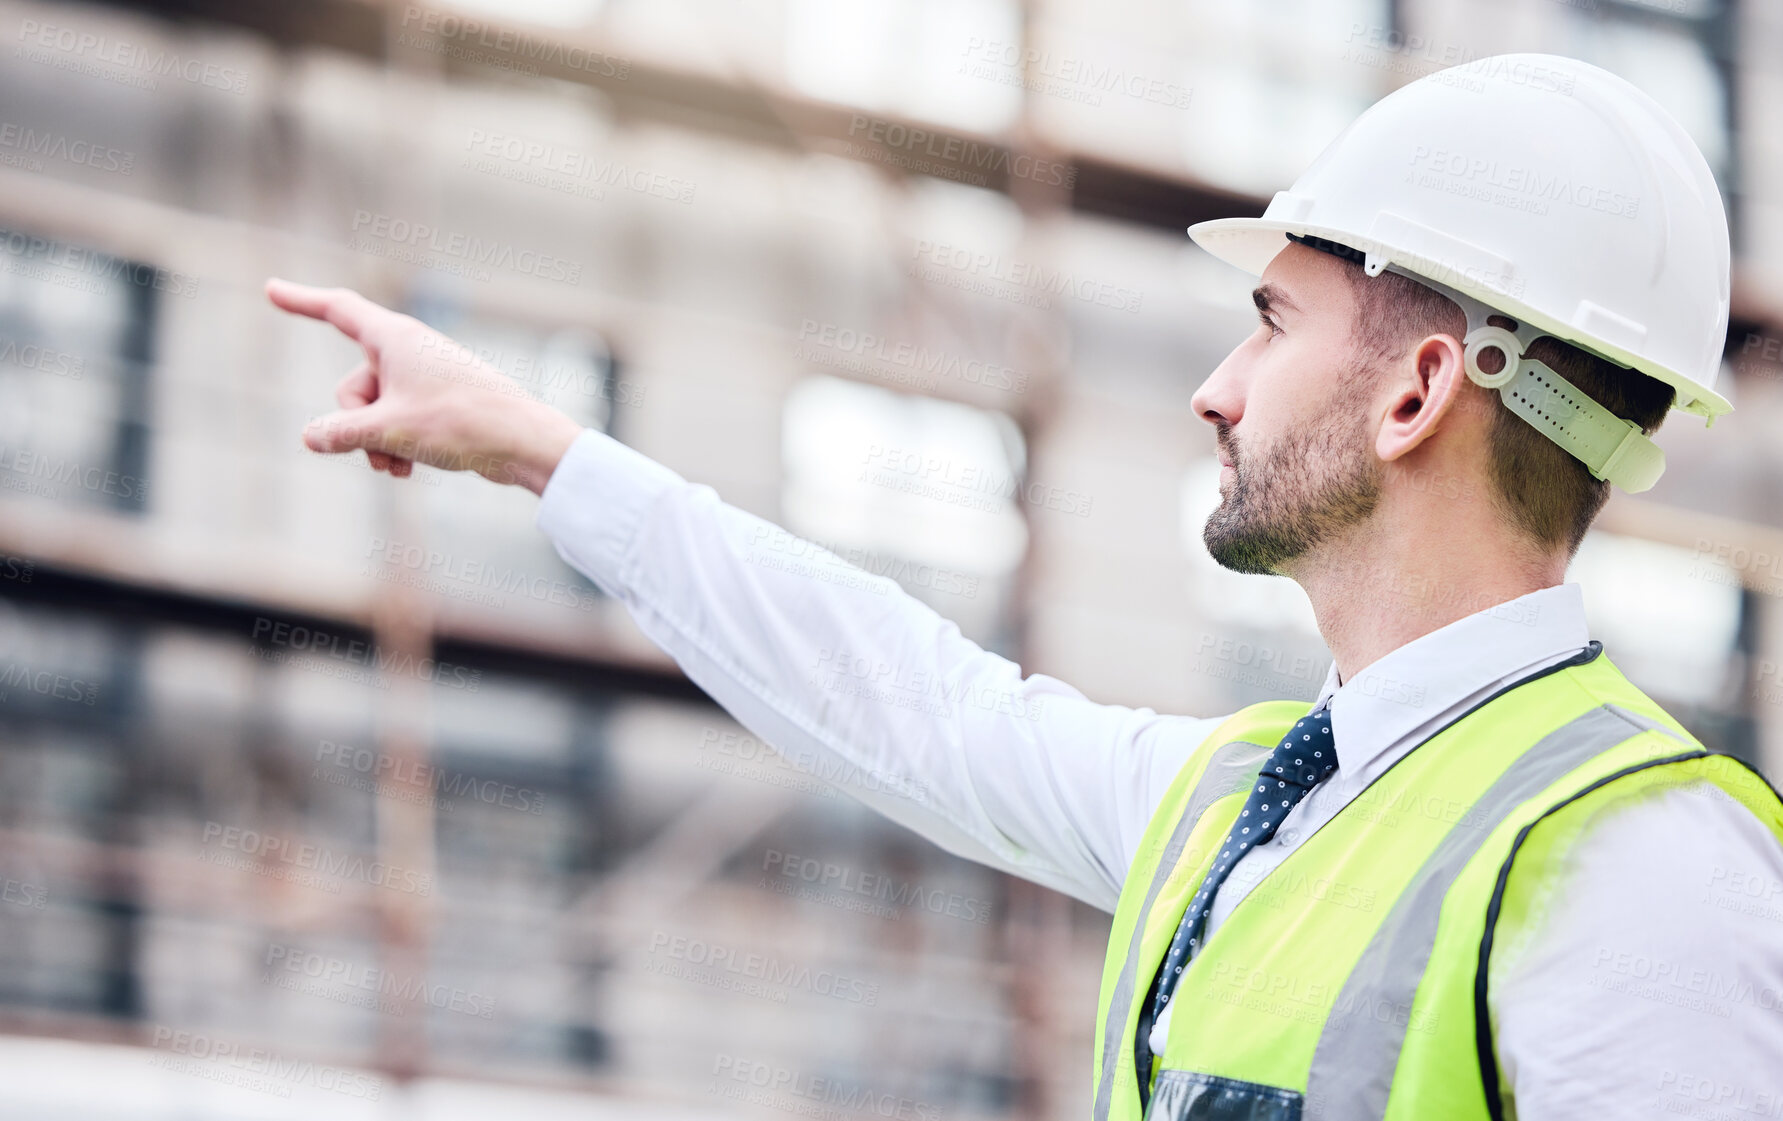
(1268, 296)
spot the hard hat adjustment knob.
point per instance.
(1482, 339)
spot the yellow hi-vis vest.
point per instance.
(1351, 983)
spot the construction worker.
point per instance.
(1482, 874)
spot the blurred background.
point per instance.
(321, 791)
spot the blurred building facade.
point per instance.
(325, 789)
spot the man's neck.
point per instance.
(1372, 593)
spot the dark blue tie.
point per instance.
(1306, 755)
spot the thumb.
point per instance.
(349, 429)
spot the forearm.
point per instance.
(850, 677)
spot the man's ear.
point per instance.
(1425, 386)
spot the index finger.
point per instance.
(353, 314)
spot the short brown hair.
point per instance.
(1548, 494)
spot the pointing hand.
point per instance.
(421, 397)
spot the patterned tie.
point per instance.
(1306, 755)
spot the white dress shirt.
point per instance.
(1653, 987)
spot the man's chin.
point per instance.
(1250, 553)
(1245, 564)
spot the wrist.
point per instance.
(539, 438)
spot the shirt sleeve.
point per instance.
(1652, 986)
(859, 683)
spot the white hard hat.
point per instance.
(1549, 190)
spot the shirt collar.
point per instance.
(1397, 693)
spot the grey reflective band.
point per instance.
(1358, 1049)
(1229, 770)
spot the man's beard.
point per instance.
(1310, 486)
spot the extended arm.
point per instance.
(843, 672)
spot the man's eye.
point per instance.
(1269, 323)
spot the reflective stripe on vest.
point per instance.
(1211, 775)
(1352, 1066)
(1277, 1027)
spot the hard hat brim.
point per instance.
(1251, 244)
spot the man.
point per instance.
(1517, 888)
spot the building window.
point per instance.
(927, 492)
(77, 342)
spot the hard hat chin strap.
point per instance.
(1610, 446)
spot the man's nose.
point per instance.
(1220, 400)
